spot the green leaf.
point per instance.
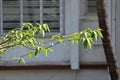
(52, 38)
(85, 43)
(21, 36)
(61, 41)
(95, 35)
(86, 35)
(91, 40)
(27, 25)
(89, 43)
(22, 60)
(37, 51)
(19, 60)
(73, 41)
(50, 49)
(46, 51)
(43, 33)
(40, 26)
(57, 36)
(77, 42)
(3, 51)
(99, 33)
(31, 54)
(46, 27)
(32, 44)
(23, 43)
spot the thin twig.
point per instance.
(7, 60)
(5, 41)
(9, 46)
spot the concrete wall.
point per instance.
(54, 75)
(117, 32)
(75, 11)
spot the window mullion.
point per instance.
(41, 11)
(61, 15)
(1, 17)
(21, 12)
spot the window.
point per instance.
(14, 12)
(91, 6)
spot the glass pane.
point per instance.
(31, 11)
(51, 14)
(42, 11)
(11, 14)
(91, 6)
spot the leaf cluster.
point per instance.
(26, 37)
(87, 37)
(32, 37)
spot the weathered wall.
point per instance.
(63, 55)
(76, 19)
(54, 75)
(117, 28)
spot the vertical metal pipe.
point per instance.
(21, 12)
(41, 11)
(1, 16)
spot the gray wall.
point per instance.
(117, 32)
(54, 75)
(64, 54)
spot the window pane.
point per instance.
(91, 6)
(31, 11)
(11, 14)
(51, 14)
(14, 12)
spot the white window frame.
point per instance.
(90, 16)
(111, 16)
(85, 15)
(61, 10)
(1, 19)
(93, 16)
(68, 54)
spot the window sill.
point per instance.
(54, 67)
(89, 17)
